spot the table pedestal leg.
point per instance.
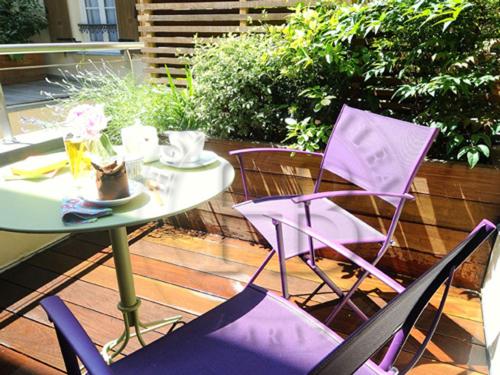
(129, 302)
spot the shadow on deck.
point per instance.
(188, 273)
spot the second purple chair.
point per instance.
(257, 332)
(380, 155)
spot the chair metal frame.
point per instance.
(399, 316)
(310, 258)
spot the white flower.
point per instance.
(87, 120)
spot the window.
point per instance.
(101, 22)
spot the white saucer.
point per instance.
(206, 158)
(89, 194)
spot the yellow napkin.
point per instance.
(35, 166)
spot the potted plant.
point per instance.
(19, 21)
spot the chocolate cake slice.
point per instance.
(112, 181)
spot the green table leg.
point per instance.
(129, 302)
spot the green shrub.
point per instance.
(238, 90)
(20, 20)
(438, 58)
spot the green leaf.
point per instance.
(473, 158)
(462, 152)
(485, 150)
(106, 144)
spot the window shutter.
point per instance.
(127, 20)
(58, 19)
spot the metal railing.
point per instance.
(16, 49)
(45, 48)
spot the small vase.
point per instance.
(100, 149)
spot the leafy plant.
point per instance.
(178, 114)
(125, 100)
(20, 20)
(433, 62)
(239, 92)
(437, 59)
(308, 135)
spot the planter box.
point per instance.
(450, 200)
(23, 75)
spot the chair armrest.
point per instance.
(347, 193)
(272, 149)
(343, 251)
(74, 335)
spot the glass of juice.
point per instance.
(79, 161)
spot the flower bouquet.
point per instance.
(85, 140)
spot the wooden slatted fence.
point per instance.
(168, 28)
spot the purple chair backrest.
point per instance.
(401, 314)
(375, 152)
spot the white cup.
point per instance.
(185, 146)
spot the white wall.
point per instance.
(491, 309)
(18, 246)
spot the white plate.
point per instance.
(206, 158)
(89, 194)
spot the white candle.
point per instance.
(142, 141)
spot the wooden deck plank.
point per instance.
(428, 243)
(187, 300)
(36, 340)
(100, 327)
(254, 255)
(86, 295)
(12, 362)
(456, 327)
(178, 272)
(445, 349)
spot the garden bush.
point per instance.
(238, 89)
(433, 62)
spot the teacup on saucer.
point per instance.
(184, 147)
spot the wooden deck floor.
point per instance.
(187, 273)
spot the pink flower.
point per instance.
(87, 120)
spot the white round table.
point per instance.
(34, 207)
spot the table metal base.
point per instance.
(129, 302)
(111, 349)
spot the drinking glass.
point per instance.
(79, 161)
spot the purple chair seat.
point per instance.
(249, 334)
(327, 219)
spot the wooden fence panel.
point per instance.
(168, 28)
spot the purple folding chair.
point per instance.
(379, 154)
(257, 332)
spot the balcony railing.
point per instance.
(49, 48)
(97, 27)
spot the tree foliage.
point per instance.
(20, 20)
